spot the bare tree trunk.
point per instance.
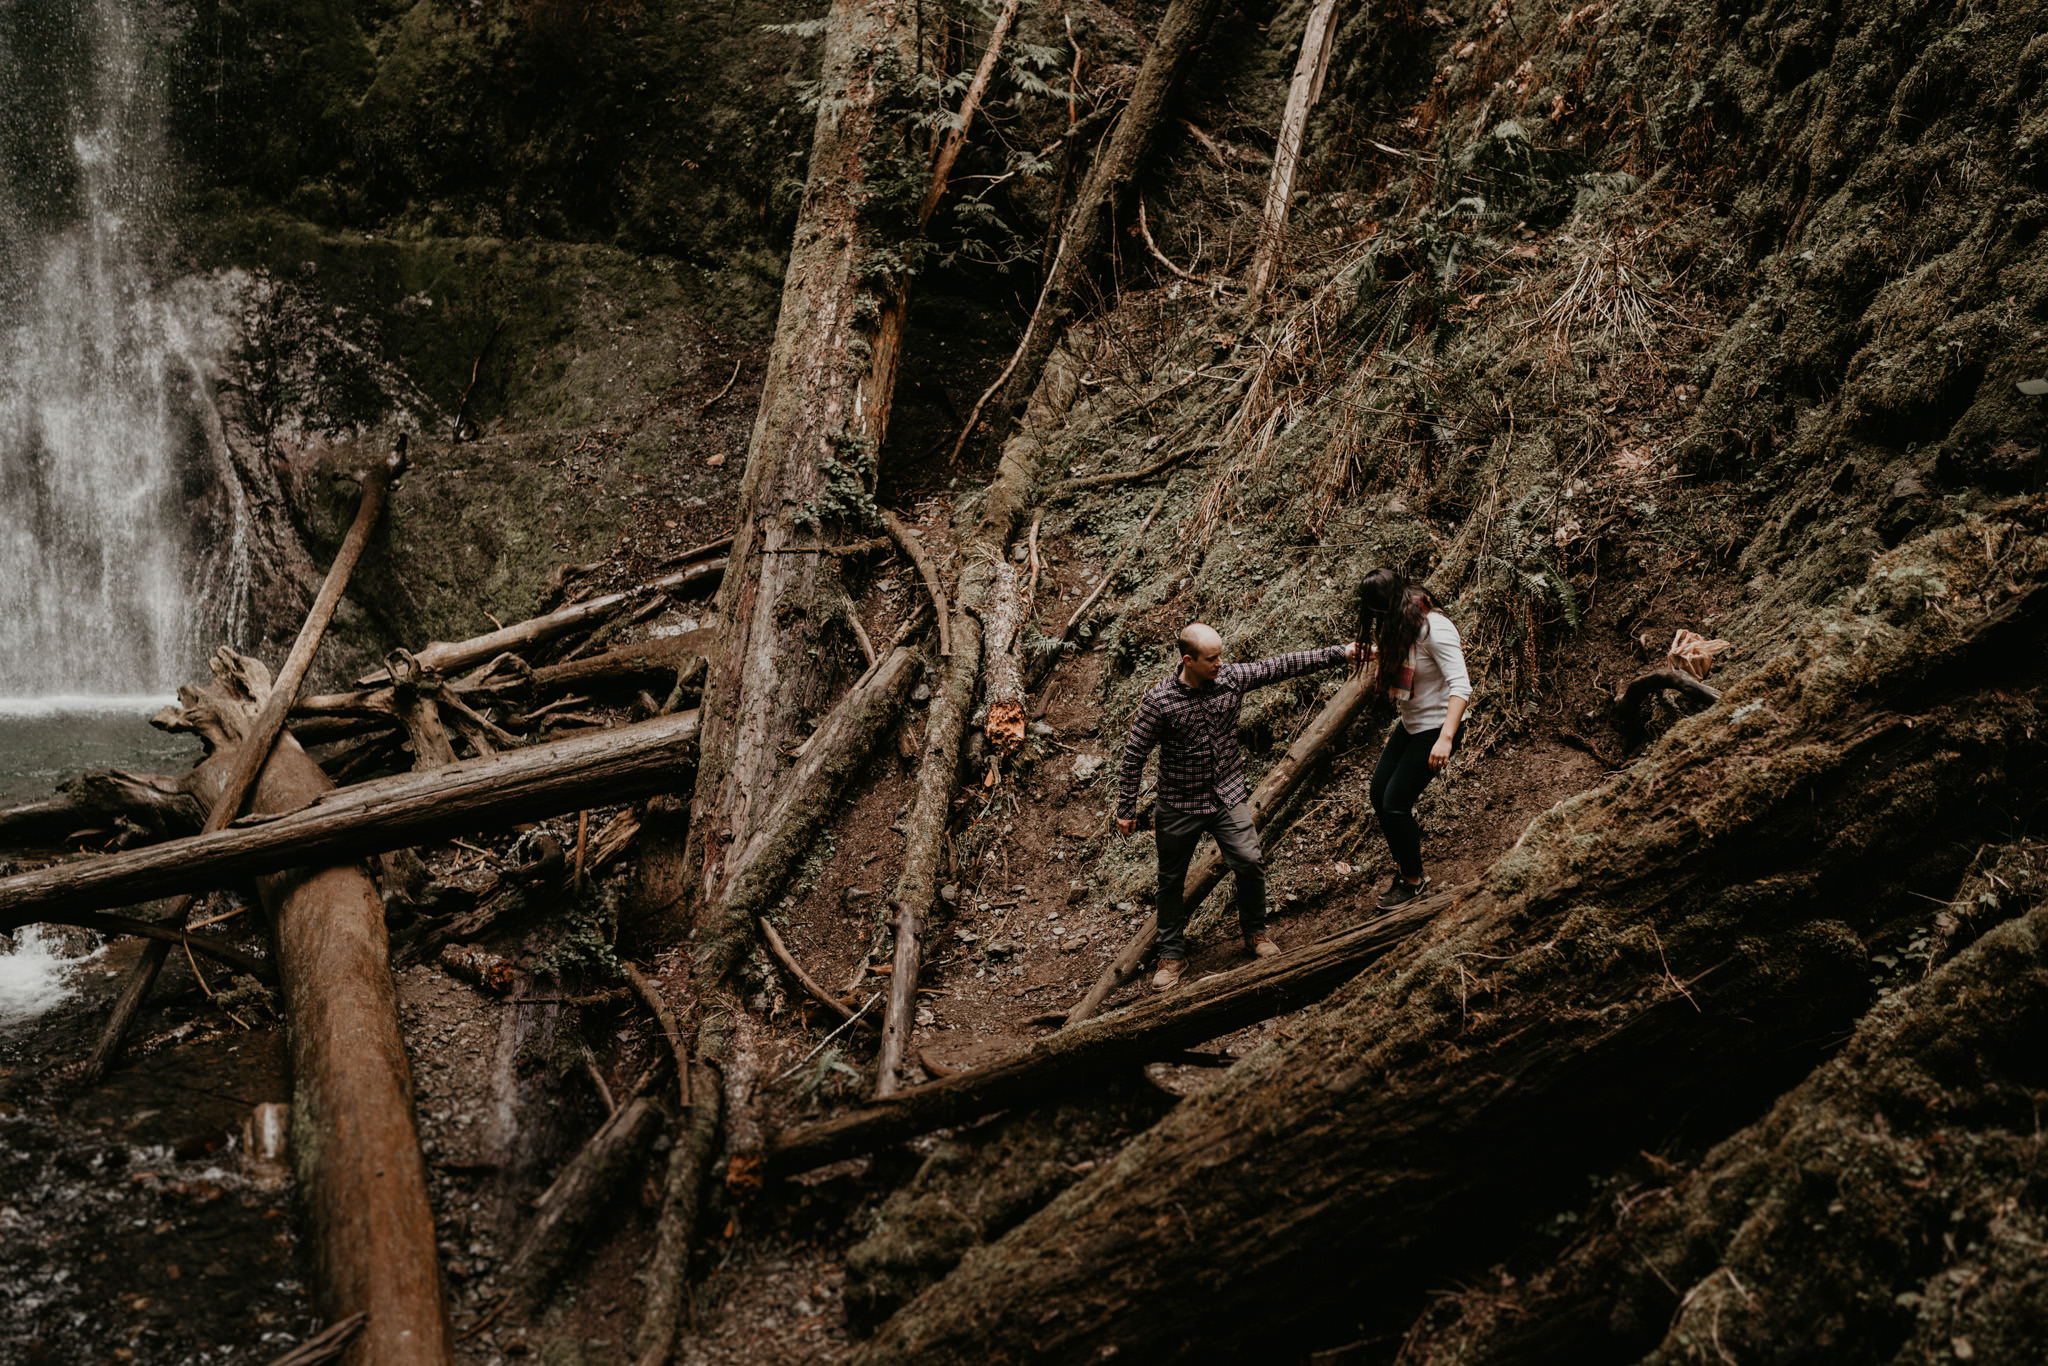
(1089, 223)
(1302, 95)
(824, 411)
(1679, 944)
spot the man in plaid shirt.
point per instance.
(1192, 716)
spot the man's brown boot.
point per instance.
(1262, 946)
(1168, 976)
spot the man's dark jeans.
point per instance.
(1178, 833)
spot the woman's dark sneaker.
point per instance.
(1402, 892)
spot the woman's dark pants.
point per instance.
(1402, 773)
(1178, 833)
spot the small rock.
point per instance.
(999, 948)
(1127, 906)
(925, 1017)
(1019, 553)
(1073, 944)
(1040, 729)
(950, 894)
(966, 936)
(921, 693)
(1086, 766)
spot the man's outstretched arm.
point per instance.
(1137, 745)
(1293, 664)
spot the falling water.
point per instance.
(108, 435)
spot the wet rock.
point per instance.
(1087, 766)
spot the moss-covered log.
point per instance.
(1888, 1209)
(1672, 948)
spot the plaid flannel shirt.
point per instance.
(1201, 768)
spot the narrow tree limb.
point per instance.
(851, 614)
(1130, 548)
(449, 658)
(225, 954)
(1158, 1028)
(689, 1160)
(255, 751)
(926, 570)
(413, 697)
(1303, 92)
(963, 122)
(796, 970)
(1279, 783)
(614, 765)
(326, 1345)
(1070, 488)
(900, 1011)
(1179, 37)
(650, 996)
(1145, 231)
(838, 750)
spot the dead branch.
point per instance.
(956, 137)
(225, 954)
(326, 1345)
(1070, 488)
(926, 570)
(255, 750)
(446, 658)
(581, 1192)
(682, 1193)
(708, 404)
(1632, 699)
(1157, 1028)
(650, 996)
(150, 802)
(1130, 548)
(1145, 231)
(796, 970)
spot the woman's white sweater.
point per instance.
(1439, 675)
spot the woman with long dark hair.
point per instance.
(1421, 663)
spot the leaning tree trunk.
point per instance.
(1088, 226)
(1677, 946)
(824, 410)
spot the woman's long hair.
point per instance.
(1390, 614)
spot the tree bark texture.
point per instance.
(824, 411)
(1675, 947)
(392, 813)
(1150, 1030)
(354, 1145)
(1887, 1209)
(1181, 31)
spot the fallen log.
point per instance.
(1630, 701)
(392, 813)
(580, 1194)
(1279, 783)
(261, 735)
(354, 1145)
(449, 657)
(1158, 1028)
(225, 954)
(104, 798)
(837, 751)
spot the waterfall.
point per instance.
(110, 444)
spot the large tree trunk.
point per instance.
(1671, 949)
(824, 411)
(1885, 1210)
(1302, 94)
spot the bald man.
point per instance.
(1192, 716)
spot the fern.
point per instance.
(802, 28)
(1567, 597)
